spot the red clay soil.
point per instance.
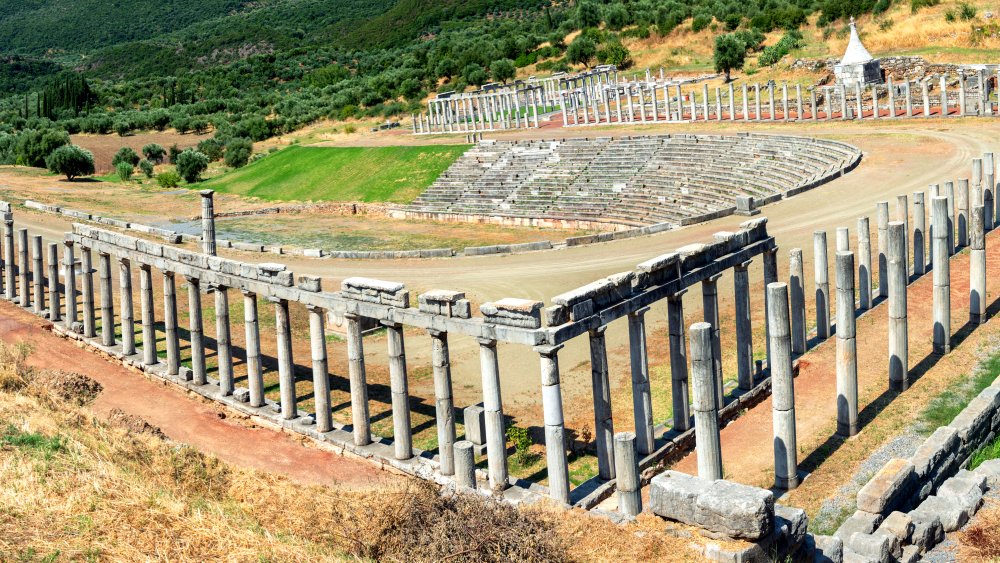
(184, 418)
(746, 443)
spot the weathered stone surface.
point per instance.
(310, 283)
(911, 554)
(935, 450)
(475, 424)
(875, 547)
(731, 509)
(899, 525)
(976, 419)
(860, 522)
(241, 394)
(824, 549)
(927, 530)
(851, 556)
(990, 469)
(950, 511)
(376, 291)
(657, 271)
(602, 293)
(510, 311)
(965, 487)
(890, 488)
(790, 526)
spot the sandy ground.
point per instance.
(900, 157)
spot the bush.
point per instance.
(124, 171)
(212, 148)
(173, 153)
(154, 153)
(71, 161)
(123, 128)
(966, 11)
(125, 154)
(190, 165)
(146, 167)
(918, 4)
(238, 152)
(168, 179)
(522, 443)
(700, 22)
(949, 15)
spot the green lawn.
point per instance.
(391, 174)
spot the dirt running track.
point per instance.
(184, 418)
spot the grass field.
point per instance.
(390, 174)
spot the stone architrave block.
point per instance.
(731, 509)
(475, 424)
(522, 313)
(951, 512)
(393, 294)
(439, 301)
(966, 487)
(657, 271)
(860, 522)
(889, 489)
(310, 283)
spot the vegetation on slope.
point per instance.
(390, 174)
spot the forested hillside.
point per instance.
(253, 69)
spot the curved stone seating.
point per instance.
(630, 181)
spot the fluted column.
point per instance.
(127, 313)
(69, 263)
(444, 400)
(678, 362)
(197, 337)
(54, 307)
(107, 299)
(223, 341)
(744, 327)
(883, 241)
(149, 355)
(899, 362)
(360, 420)
(642, 403)
(710, 307)
(782, 390)
(255, 376)
(603, 423)
(402, 433)
(320, 371)
(706, 417)
(919, 234)
(555, 434)
(86, 287)
(38, 278)
(286, 364)
(23, 267)
(496, 440)
(942, 275)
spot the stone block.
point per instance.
(608, 291)
(950, 511)
(439, 301)
(899, 525)
(990, 469)
(523, 313)
(462, 309)
(937, 448)
(889, 489)
(851, 556)
(911, 554)
(790, 526)
(310, 283)
(241, 394)
(976, 419)
(723, 507)
(657, 271)
(860, 522)
(965, 487)
(825, 549)
(475, 424)
(927, 530)
(312, 252)
(875, 547)
(556, 315)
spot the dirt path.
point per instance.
(184, 418)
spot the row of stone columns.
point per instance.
(482, 112)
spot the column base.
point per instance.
(845, 430)
(787, 483)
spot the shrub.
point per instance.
(168, 179)
(918, 4)
(146, 167)
(212, 148)
(125, 154)
(522, 443)
(173, 153)
(154, 152)
(124, 171)
(700, 22)
(966, 11)
(123, 128)
(71, 161)
(949, 15)
(238, 152)
(190, 165)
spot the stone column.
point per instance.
(883, 241)
(892, 98)
(822, 283)
(812, 104)
(86, 287)
(782, 390)
(756, 101)
(770, 102)
(864, 264)
(23, 266)
(704, 101)
(942, 275)
(443, 401)
(944, 96)
(909, 99)
(927, 99)
(170, 323)
(196, 326)
(899, 356)
(903, 216)
(847, 348)
(770, 260)
(744, 328)
(255, 375)
(496, 440)
(784, 102)
(69, 263)
(642, 403)
(286, 364)
(54, 308)
(38, 278)
(710, 306)
(555, 433)
(962, 211)
(732, 102)
(628, 484)
(875, 110)
(746, 104)
(919, 234)
(798, 102)
(359, 381)
(857, 100)
(843, 239)
(125, 298)
(465, 465)
(149, 356)
(797, 296)
(706, 417)
(207, 222)
(678, 362)
(10, 277)
(603, 422)
(949, 192)
(977, 268)
(107, 299)
(223, 341)
(401, 428)
(320, 373)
